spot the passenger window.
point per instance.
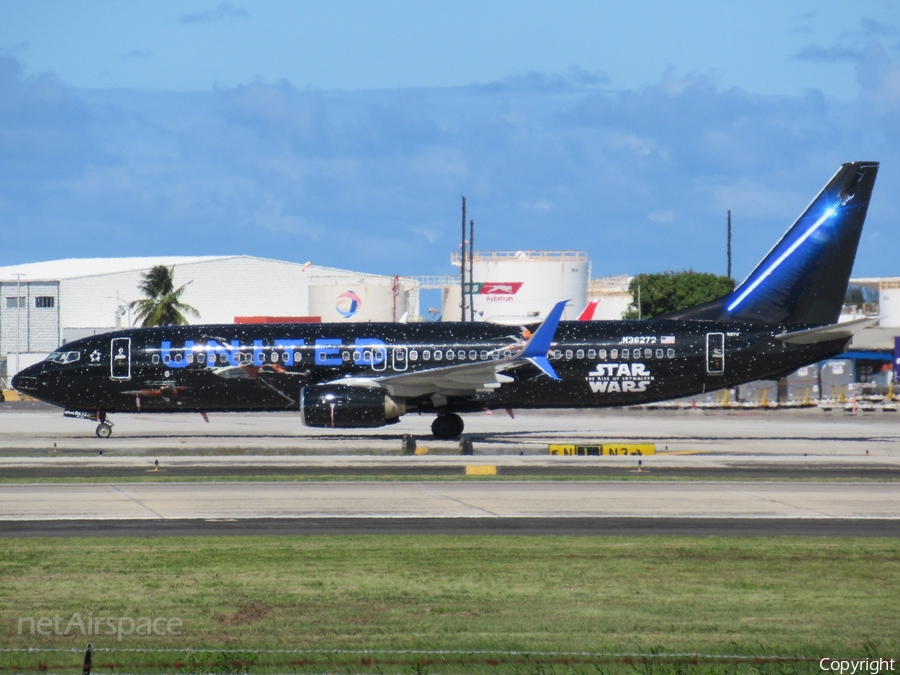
(602, 354)
(189, 358)
(648, 353)
(275, 357)
(297, 357)
(484, 355)
(201, 357)
(322, 356)
(579, 354)
(367, 355)
(345, 356)
(670, 353)
(507, 354)
(461, 354)
(473, 354)
(592, 353)
(356, 355)
(155, 358)
(450, 354)
(613, 353)
(495, 355)
(167, 358)
(626, 353)
(569, 354)
(414, 355)
(659, 353)
(426, 355)
(557, 354)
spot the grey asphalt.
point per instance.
(606, 527)
(847, 464)
(33, 429)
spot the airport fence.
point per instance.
(236, 660)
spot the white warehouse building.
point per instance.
(44, 305)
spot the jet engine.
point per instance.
(343, 406)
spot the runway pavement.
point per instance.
(848, 466)
(32, 429)
(512, 499)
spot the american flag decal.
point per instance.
(668, 339)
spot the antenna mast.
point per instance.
(471, 276)
(729, 243)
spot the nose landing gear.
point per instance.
(447, 426)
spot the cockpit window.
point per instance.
(64, 357)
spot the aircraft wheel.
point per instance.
(447, 426)
(104, 430)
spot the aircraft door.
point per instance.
(399, 358)
(120, 359)
(379, 358)
(715, 353)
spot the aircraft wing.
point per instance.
(460, 380)
(471, 378)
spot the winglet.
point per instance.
(537, 347)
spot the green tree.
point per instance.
(162, 306)
(859, 295)
(670, 291)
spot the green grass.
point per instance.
(808, 597)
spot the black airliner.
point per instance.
(782, 317)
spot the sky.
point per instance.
(346, 133)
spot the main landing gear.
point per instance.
(104, 429)
(447, 426)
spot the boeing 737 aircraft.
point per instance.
(782, 317)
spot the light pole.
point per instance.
(122, 308)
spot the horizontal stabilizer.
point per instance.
(835, 331)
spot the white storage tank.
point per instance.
(344, 303)
(522, 286)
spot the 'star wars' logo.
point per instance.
(618, 377)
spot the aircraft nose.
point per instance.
(26, 380)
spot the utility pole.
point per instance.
(462, 264)
(729, 243)
(471, 276)
(640, 315)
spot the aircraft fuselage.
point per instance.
(264, 367)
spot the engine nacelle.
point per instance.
(342, 406)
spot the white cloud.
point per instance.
(662, 217)
(542, 204)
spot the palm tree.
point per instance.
(162, 306)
